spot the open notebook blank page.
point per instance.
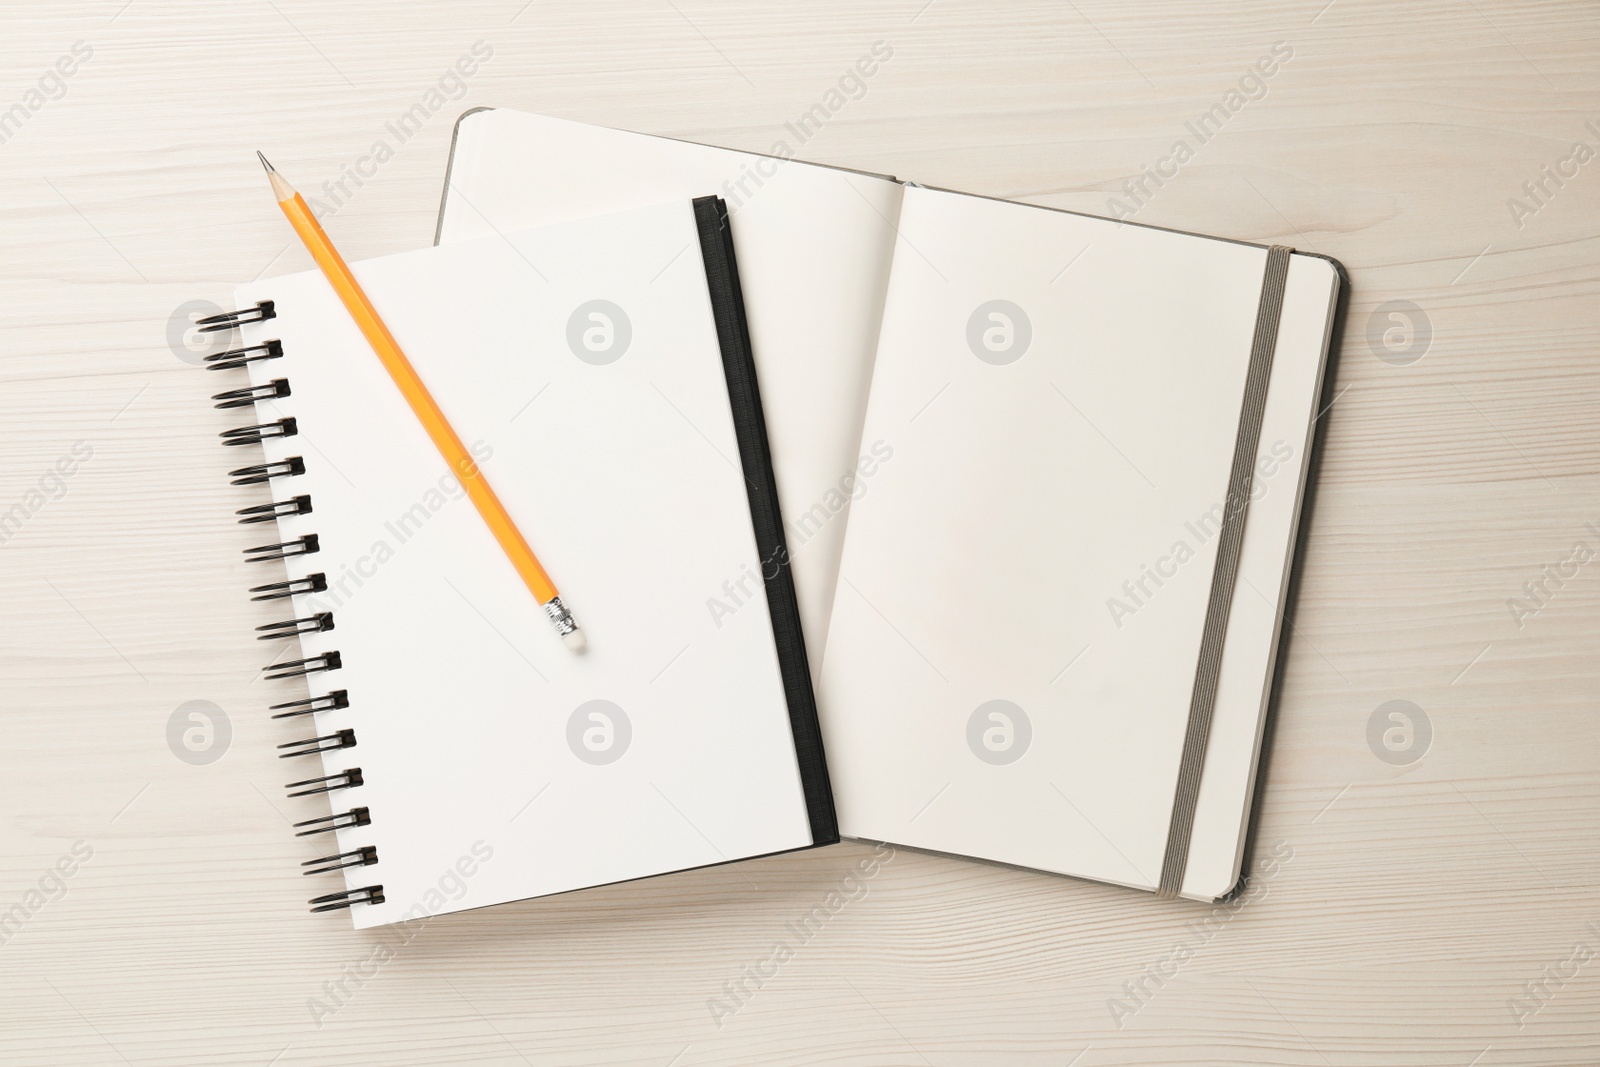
(1031, 490)
(814, 245)
(625, 477)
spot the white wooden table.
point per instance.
(1435, 905)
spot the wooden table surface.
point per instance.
(1436, 898)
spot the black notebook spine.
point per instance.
(312, 667)
(755, 457)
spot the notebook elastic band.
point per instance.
(1224, 577)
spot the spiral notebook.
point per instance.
(600, 371)
(1043, 474)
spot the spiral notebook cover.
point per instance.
(600, 373)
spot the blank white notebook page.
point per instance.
(484, 743)
(813, 245)
(1003, 679)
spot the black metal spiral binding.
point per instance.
(300, 505)
(232, 320)
(321, 622)
(276, 389)
(327, 824)
(328, 702)
(300, 546)
(238, 357)
(365, 856)
(252, 435)
(318, 622)
(348, 779)
(311, 583)
(367, 894)
(292, 467)
(294, 668)
(310, 746)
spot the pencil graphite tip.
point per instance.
(281, 189)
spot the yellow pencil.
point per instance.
(424, 406)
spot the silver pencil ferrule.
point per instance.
(560, 617)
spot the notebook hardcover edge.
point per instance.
(1291, 595)
(450, 167)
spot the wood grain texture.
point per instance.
(1419, 900)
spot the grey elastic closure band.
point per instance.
(1224, 577)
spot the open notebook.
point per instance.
(1004, 439)
(600, 372)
